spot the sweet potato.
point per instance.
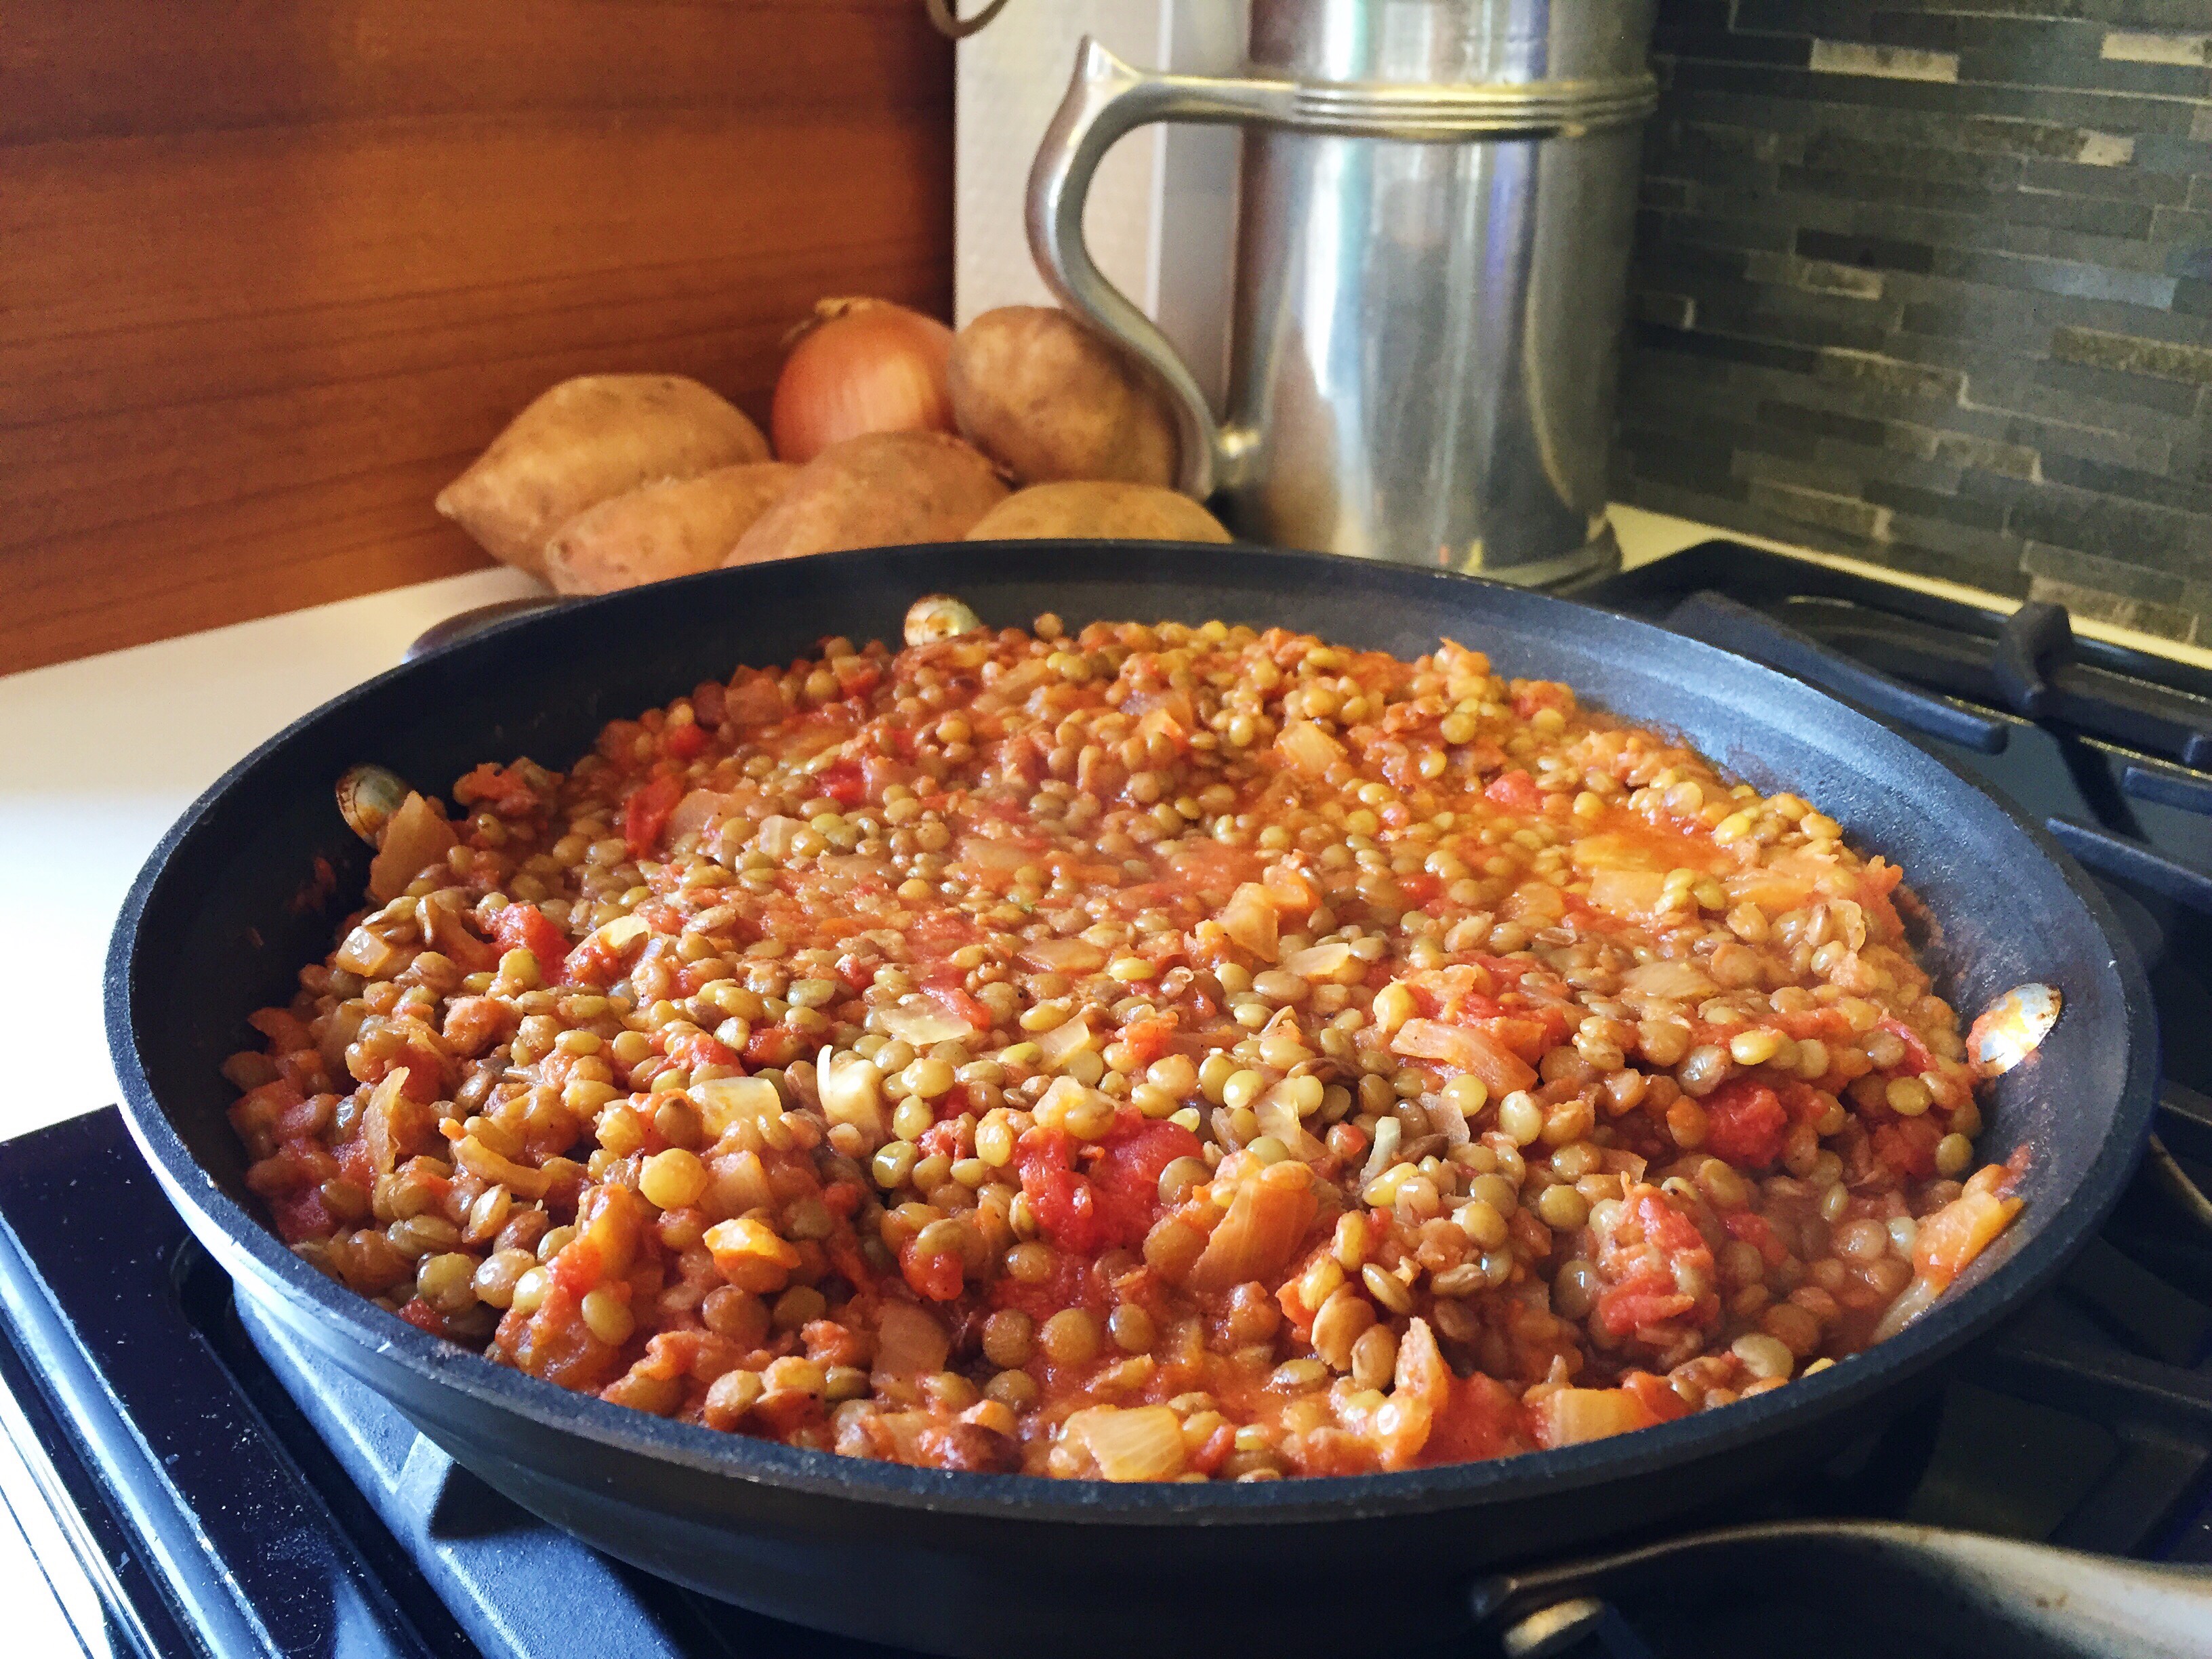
(584, 440)
(1115, 512)
(1049, 400)
(671, 527)
(879, 490)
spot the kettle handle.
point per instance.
(1107, 100)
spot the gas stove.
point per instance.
(203, 1488)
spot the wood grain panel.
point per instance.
(276, 272)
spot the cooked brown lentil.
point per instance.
(1155, 1052)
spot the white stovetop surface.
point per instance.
(99, 756)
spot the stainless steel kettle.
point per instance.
(1437, 200)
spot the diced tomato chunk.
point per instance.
(300, 1214)
(525, 928)
(934, 1278)
(1516, 792)
(646, 813)
(1128, 1174)
(1746, 1123)
(844, 783)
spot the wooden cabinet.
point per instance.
(271, 273)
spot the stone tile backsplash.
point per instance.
(1929, 283)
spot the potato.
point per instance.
(584, 440)
(672, 527)
(1049, 400)
(876, 491)
(1114, 512)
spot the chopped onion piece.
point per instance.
(724, 1101)
(480, 1161)
(1568, 1417)
(938, 617)
(851, 1090)
(1062, 955)
(1464, 1048)
(909, 1342)
(1266, 1221)
(777, 833)
(1918, 1296)
(1249, 919)
(1633, 893)
(1675, 981)
(1310, 748)
(2012, 1028)
(921, 1021)
(370, 955)
(1142, 1443)
(416, 837)
(1064, 1042)
(616, 936)
(1277, 1112)
(1331, 962)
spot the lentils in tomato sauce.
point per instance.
(1148, 1052)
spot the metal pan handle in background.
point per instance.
(1107, 100)
(2055, 1601)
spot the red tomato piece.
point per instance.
(1908, 1144)
(300, 1214)
(1625, 1311)
(1755, 1229)
(844, 783)
(647, 813)
(859, 678)
(933, 1278)
(1542, 694)
(1147, 1039)
(1746, 1123)
(422, 1316)
(576, 1269)
(697, 1049)
(525, 928)
(1065, 1203)
(1516, 791)
(685, 742)
(773, 1045)
(1482, 1419)
(1127, 1177)
(1655, 1396)
(500, 787)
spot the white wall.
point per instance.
(1161, 220)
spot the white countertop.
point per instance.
(99, 756)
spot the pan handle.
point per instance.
(462, 624)
(2054, 1602)
(1718, 620)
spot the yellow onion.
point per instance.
(861, 365)
(1143, 1442)
(1266, 1222)
(1465, 1049)
(909, 1342)
(1568, 1417)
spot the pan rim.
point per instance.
(292, 1290)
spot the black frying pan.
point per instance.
(218, 925)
